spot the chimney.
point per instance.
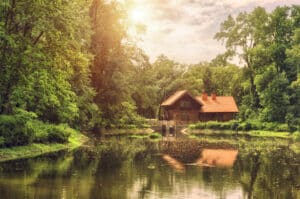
(204, 96)
(213, 96)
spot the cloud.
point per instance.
(184, 29)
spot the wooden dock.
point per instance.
(168, 128)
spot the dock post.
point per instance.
(163, 130)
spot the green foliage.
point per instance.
(114, 151)
(270, 50)
(67, 62)
(296, 136)
(47, 95)
(58, 134)
(127, 116)
(23, 129)
(241, 126)
(244, 126)
(14, 132)
(45, 61)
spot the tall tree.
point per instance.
(44, 59)
(241, 35)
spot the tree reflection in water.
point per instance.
(247, 173)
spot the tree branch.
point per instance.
(38, 38)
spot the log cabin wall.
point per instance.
(222, 117)
(185, 110)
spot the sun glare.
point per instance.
(138, 15)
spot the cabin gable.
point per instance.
(184, 109)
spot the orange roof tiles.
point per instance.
(221, 104)
(177, 95)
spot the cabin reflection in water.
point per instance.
(177, 165)
(217, 157)
(223, 158)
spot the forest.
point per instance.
(73, 64)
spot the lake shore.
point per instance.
(36, 149)
(252, 133)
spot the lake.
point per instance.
(118, 168)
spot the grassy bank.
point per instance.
(246, 128)
(235, 125)
(230, 133)
(36, 149)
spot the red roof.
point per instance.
(221, 104)
(177, 95)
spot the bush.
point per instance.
(199, 125)
(23, 129)
(214, 125)
(234, 126)
(282, 128)
(269, 126)
(296, 136)
(241, 126)
(245, 126)
(14, 132)
(2, 141)
(59, 134)
(39, 131)
(225, 125)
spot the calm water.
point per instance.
(153, 171)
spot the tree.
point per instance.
(44, 59)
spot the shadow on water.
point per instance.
(139, 168)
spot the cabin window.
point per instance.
(185, 104)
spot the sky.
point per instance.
(184, 30)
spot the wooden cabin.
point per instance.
(183, 107)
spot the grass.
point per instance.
(36, 149)
(253, 133)
(242, 126)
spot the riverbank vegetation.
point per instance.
(73, 64)
(31, 150)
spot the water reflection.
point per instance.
(217, 157)
(178, 166)
(236, 174)
(223, 158)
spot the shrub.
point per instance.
(225, 126)
(245, 126)
(256, 125)
(213, 125)
(269, 126)
(282, 128)
(39, 131)
(296, 136)
(2, 141)
(59, 134)
(13, 130)
(199, 125)
(241, 126)
(234, 126)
